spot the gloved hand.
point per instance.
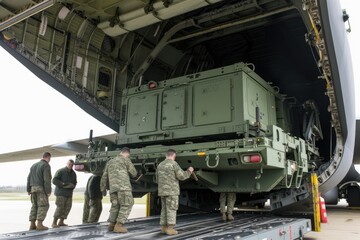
(104, 193)
(193, 176)
(140, 172)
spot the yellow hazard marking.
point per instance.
(316, 205)
(148, 204)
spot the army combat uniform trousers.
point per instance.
(40, 206)
(121, 205)
(92, 210)
(86, 210)
(63, 207)
(169, 206)
(227, 199)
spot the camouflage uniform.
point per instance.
(65, 182)
(116, 179)
(93, 200)
(63, 207)
(92, 210)
(40, 204)
(39, 185)
(168, 174)
(228, 199)
(95, 210)
(86, 209)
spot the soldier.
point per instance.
(228, 199)
(65, 182)
(39, 187)
(93, 197)
(168, 174)
(116, 179)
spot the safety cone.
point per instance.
(323, 215)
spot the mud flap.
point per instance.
(299, 202)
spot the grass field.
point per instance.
(77, 197)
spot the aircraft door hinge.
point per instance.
(115, 20)
(346, 19)
(167, 3)
(149, 7)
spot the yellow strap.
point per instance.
(317, 36)
(328, 84)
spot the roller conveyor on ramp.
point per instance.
(189, 226)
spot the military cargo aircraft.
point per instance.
(255, 94)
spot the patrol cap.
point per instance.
(125, 149)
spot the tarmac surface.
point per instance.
(343, 223)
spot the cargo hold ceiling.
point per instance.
(119, 17)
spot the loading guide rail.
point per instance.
(190, 226)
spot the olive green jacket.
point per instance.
(92, 190)
(40, 176)
(65, 182)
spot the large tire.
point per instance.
(353, 196)
(331, 197)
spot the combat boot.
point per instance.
(163, 229)
(61, 223)
(224, 218)
(32, 225)
(119, 228)
(170, 230)
(111, 226)
(54, 224)
(230, 217)
(40, 226)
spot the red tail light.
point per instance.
(253, 158)
(80, 167)
(152, 85)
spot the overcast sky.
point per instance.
(33, 114)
